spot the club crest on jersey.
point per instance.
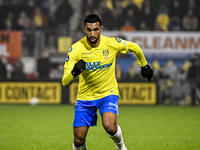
(118, 40)
(105, 52)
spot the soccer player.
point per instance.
(93, 60)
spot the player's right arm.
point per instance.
(72, 67)
(68, 78)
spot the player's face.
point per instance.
(93, 31)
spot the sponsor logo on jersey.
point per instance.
(70, 49)
(67, 59)
(118, 40)
(105, 52)
(96, 65)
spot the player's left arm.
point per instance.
(137, 51)
(146, 70)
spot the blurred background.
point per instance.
(35, 36)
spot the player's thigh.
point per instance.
(109, 118)
(109, 121)
(109, 111)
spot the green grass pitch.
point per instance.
(24, 127)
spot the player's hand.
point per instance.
(78, 68)
(147, 72)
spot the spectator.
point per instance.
(138, 3)
(175, 9)
(131, 16)
(193, 77)
(119, 16)
(171, 69)
(39, 20)
(156, 66)
(15, 7)
(108, 16)
(3, 12)
(29, 8)
(90, 5)
(127, 27)
(130, 73)
(51, 13)
(118, 72)
(181, 74)
(161, 73)
(57, 73)
(148, 15)
(63, 14)
(44, 6)
(179, 90)
(192, 5)
(143, 26)
(194, 69)
(133, 72)
(3, 71)
(110, 4)
(186, 66)
(166, 91)
(44, 65)
(190, 22)
(9, 22)
(174, 24)
(17, 71)
(162, 19)
(157, 27)
(23, 21)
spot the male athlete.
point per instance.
(93, 59)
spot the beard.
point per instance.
(92, 42)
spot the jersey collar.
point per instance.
(88, 45)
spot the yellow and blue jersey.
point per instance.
(98, 78)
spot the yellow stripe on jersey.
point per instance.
(98, 78)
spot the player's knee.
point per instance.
(110, 128)
(78, 140)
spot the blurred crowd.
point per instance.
(154, 15)
(34, 14)
(44, 69)
(124, 15)
(177, 83)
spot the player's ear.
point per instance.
(101, 27)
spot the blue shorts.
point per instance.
(85, 113)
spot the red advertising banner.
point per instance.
(11, 44)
